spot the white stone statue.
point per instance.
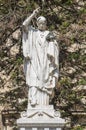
(41, 65)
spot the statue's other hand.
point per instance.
(36, 11)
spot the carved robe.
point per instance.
(43, 65)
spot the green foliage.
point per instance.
(65, 81)
(82, 10)
(19, 61)
(52, 27)
(69, 2)
(78, 128)
(65, 24)
(21, 3)
(74, 56)
(82, 81)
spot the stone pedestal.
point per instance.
(41, 118)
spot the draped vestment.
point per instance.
(43, 64)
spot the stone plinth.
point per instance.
(41, 118)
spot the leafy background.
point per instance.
(67, 18)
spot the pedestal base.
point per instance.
(40, 129)
(41, 118)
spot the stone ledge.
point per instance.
(39, 123)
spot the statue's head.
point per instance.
(42, 23)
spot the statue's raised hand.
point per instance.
(36, 11)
